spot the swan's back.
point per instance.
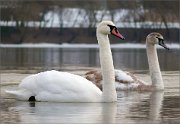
(60, 87)
(123, 81)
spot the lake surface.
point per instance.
(131, 107)
(48, 56)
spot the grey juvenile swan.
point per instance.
(126, 80)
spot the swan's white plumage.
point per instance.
(65, 87)
(121, 75)
(121, 86)
(58, 87)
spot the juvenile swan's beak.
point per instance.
(161, 43)
(116, 33)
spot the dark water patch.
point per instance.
(57, 58)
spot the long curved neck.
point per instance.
(107, 68)
(154, 68)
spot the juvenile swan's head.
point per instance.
(108, 27)
(156, 38)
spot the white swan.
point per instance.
(65, 87)
(126, 80)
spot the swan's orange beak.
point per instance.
(116, 33)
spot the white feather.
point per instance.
(60, 87)
(121, 75)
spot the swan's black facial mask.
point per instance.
(115, 32)
(161, 43)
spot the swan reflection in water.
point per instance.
(129, 108)
(46, 112)
(156, 102)
(135, 107)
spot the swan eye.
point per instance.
(160, 39)
(114, 31)
(112, 27)
(161, 43)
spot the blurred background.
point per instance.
(62, 22)
(74, 21)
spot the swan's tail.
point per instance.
(11, 92)
(22, 94)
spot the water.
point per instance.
(124, 58)
(131, 107)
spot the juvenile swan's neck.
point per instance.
(154, 68)
(107, 68)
